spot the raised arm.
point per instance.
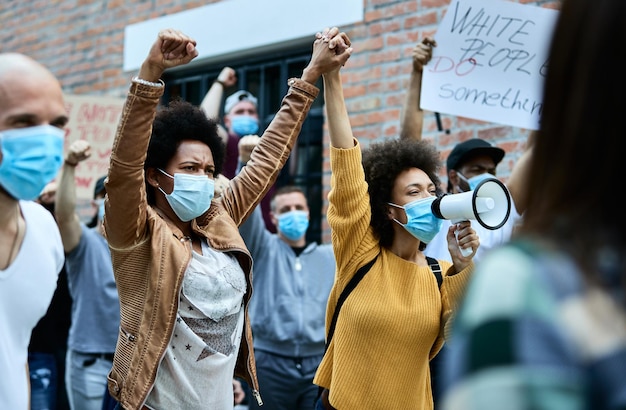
(126, 203)
(275, 145)
(212, 101)
(412, 119)
(338, 121)
(171, 49)
(65, 204)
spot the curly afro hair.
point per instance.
(382, 163)
(177, 122)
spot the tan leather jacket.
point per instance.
(150, 256)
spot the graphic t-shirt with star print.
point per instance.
(197, 369)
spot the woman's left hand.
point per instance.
(462, 236)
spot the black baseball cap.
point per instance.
(99, 186)
(471, 148)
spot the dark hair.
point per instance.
(287, 189)
(177, 122)
(382, 162)
(579, 150)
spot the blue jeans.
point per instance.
(43, 381)
(319, 405)
(86, 380)
(109, 403)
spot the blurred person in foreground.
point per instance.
(543, 323)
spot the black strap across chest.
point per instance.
(432, 262)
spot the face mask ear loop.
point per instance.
(462, 177)
(405, 215)
(165, 173)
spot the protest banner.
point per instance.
(94, 119)
(490, 62)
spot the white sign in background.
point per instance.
(490, 62)
(93, 119)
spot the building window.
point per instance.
(266, 78)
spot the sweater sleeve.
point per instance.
(349, 212)
(452, 292)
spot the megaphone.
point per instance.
(489, 204)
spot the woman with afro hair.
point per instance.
(182, 270)
(393, 321)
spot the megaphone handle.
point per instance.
(464, 251)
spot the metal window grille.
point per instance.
(266, 78)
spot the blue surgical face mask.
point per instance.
(421, 222)
(192, 195)
(293, 224)
(244, 125)
(31, 157)
(476, 179)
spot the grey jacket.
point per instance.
(288, 310)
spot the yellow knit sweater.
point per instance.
(392, 322)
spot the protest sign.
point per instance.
(93, 119)
(490, 62)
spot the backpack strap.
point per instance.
(432, 262)
(360, 273)
(436, 268)
(344, 294)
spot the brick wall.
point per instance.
(376, 77)
(82, 43)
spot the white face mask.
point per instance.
(192, 195)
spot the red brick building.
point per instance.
(94, 48)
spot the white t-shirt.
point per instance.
(438, 247)
(197, 369)
(26, 289)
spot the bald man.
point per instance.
(32, 118)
